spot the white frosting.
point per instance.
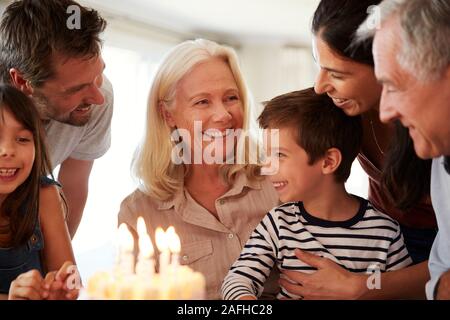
(179, 283)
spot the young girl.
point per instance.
(31, 210)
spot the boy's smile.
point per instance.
(296, 178)
(279, 185)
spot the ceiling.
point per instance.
(257, 21)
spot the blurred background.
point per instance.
(273, 42)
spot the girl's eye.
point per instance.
(280, 155)
(23, 139)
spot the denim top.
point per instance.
(17, 260)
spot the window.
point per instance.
(130, 73)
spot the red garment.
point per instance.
(421, 216)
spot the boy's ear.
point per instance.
(18, 81)
(331, 161)
(166, 115)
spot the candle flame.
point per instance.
(141, 227)
(145, 243)
(145, 246)
(161, 240)
(126, 241)
(174, 240)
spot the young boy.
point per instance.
(317, 145)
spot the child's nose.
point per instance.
(7, 149)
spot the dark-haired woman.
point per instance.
(398, 179)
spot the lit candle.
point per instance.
(174, 245)
(126, 245)
(145, 266)
(163, 247)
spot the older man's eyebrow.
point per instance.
(385, 81)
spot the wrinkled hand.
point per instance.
(330, 281)
(58, 283)
(28, 286)
(443, 290)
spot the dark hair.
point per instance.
(405, 177)
(33, 32)
(319, 126)
(22, 218)
(336, 23)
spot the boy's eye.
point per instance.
(280, 154)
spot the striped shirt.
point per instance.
(369, 241)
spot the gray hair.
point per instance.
(425, 34)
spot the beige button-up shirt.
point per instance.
(208, 245)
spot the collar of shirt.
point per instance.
(191, 212)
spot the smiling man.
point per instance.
(412, 61)
(61, 68)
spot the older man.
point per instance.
(412, 61)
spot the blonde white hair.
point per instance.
(158, 176)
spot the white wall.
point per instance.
(271, 70)
(2, 6)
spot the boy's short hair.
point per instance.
(319, 126)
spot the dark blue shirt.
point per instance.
(17, 260)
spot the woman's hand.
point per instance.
(330, 281)
(28, 286)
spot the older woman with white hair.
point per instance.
(198, 92)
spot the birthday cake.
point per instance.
(129, 281)
(182, 284)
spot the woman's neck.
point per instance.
(204, 177)
(205, 186)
